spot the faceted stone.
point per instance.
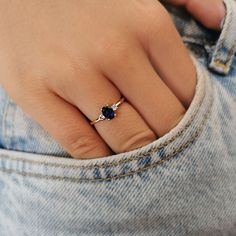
(108, 112)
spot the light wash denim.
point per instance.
(182, 184)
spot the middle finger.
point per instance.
(145, 90)
(90, 92)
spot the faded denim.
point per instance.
(182, 184)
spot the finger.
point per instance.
(127, 131)
(135, 77)
(65, 123)
(171, 59)
(209, 12)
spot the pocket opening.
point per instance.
(120, 165)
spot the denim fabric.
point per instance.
(182, 184)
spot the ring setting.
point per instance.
(108, 112)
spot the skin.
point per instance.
(61, 61)
(208, 12)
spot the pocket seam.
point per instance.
(130, 173)
(143, 158)
(122, 161)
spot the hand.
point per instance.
(209, 12)
(61, 61)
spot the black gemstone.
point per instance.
(108, 112)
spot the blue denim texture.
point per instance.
(182, 184)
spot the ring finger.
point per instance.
(125, 132)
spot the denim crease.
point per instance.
(182, 184)
(226, 46)
(190, 127)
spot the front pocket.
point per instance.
(179, 185)
(156, 153)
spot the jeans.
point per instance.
(183, 183)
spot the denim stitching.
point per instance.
(168, 158)
(129, 159)
(159, 162)
(151, 150)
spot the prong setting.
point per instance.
(108, 112)
(114, 107)
(102, 117)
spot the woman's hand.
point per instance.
(209, 12)
(61, 61)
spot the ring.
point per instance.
(108, 112)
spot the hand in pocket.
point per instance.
(62, 61)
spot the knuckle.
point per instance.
(137, 140)
(31, 86)
(154, 22)
(156, 15)
(112, 51)
(83, 147)
(58, 71)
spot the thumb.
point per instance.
(208, 12)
